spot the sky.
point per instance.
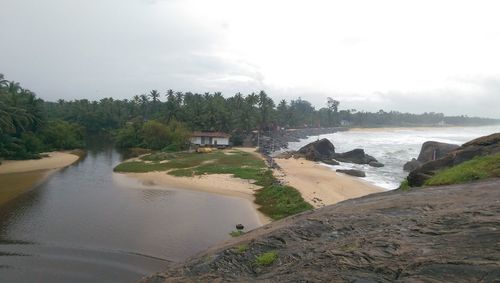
(409, 56)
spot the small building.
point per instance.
(215, 139)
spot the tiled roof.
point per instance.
(211, 134)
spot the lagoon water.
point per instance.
(394, 147)
(88, 224)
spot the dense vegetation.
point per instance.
(472, 170)
(24, 128)
(29, 125)
(276, 201)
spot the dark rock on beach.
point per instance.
(352, 172)
(319, 150)
(330, 161)
(437, 234)
(411, 165)
(431, 150)
(375, 164)
(357, 156)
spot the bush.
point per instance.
(63, 135)
(266, 259)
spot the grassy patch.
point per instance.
(140, 167)
(236, 233)
(276, 201)
(266, 259)
(241, 249)
(475, 169)
(404, 185)
(279, 201)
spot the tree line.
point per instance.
(156, 120)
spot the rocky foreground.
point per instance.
(449, 233)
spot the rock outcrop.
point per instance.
(319, 150)
(439, 234)
(482, 146)
(357, 156)
(352, 172)
(431, 150)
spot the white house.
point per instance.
(216, 139)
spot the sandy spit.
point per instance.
(55, 160)
(320, 185)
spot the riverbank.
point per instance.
(320, 185)
(19, 176)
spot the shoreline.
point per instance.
(220, 184)
(20, 176)
(319, 185)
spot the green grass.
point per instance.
(241, 249)
(279, 201)
(472, 170)
(266, 259)
(236, 233)
(404, 185)
(140, 167)
(276, 201)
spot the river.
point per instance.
(88, 224)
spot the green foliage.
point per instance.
(241, 249)
(475, 169)
(236, 233)
(404, 186)
(279, 201)
(266, 259)
(154, 135)
(63, 135)
(140, 167)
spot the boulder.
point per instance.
(357, 156)
(411, 165)
(352, 172)
(432, 150)
(375, 164)
(319, 150)
(482, 146)
(330, 161)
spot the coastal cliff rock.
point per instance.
(437, 234)
(482, 146)
(318, 150)
(431, 150)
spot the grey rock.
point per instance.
(352, 172)
(375, 164)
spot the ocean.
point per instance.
(393, 147)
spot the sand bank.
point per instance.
(19, 176)
(222, 184)
(320, 185)
(55, 160)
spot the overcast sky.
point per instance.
(415, 56)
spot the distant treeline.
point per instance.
(30, 125)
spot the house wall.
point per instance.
(220, 141)
(196, 140)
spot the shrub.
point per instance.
(266, 259)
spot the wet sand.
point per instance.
(320, 185)
(19, 176)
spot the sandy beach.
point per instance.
(55, 160)
(320, 185)
(19, 176)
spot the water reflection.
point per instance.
(89, 224)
